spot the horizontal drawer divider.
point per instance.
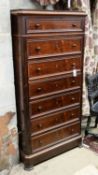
(53, 93)
(59, 54)
(59, 93)
(55, 57)
(54, 31)
(58, 36)
(54, 76)
(50, 34)
(40, 152)
(54, 110)
(55, 127)
(70, 107)
(64, 126)
(56, 142)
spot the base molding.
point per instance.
(35, 158)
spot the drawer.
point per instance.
(54, 120)
(55, 136)
(51, 46)
(53, 66)
(53, 24)
(37, 88)
(54, 102)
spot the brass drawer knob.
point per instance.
(39, 125)
(72, 130)
(73, 64)
(37, 25)
(56, 119)
(73, 98)
(56, 85)
(57, 46)
(74, 25)
(40, 142)
(38, 48)
(56, 65)
(57, 135)
(72, 114)
(57, 102)
(39, 89)
(74, 45)
(73, 81)
(38, 69)
(39, 108)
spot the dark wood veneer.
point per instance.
(50, 85)
(47, 122)
(48, 64)
(55, 136)
(46, 67)
(41, 24)
(53, 102)
(48, 46)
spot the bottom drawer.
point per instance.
(51, 138)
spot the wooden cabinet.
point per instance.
(48, 63)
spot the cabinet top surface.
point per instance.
(46, 12)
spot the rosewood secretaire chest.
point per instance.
(48, 63)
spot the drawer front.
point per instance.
(54, 120)
(53, 24)
(54, 102)
(46, 47)
(53, 137)
(47, 67)
(38, 88)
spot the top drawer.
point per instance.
(53, 24)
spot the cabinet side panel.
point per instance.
(21, 102)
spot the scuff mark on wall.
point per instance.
(8, 141)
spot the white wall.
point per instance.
(7, 95)
(24, 4)
(8, 120)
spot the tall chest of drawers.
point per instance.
(48, 63)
